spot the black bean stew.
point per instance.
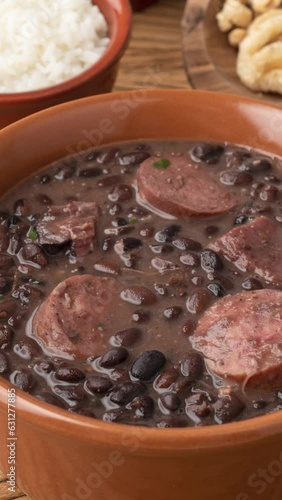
(142, 284)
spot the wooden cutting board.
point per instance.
(210, 61)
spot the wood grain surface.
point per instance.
(153, 60)
(209, 59)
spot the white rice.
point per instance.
(45, 43)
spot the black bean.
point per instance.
(119, 221)
(137, 295)
(170, 401)
(70, 392)
(170, 422)
(107, 266)
(147, 365)
(172, 312)
(269, 193)
(163, 265)
(7, 308)
(115, 209)
(107, 244)
(241, 219)
(44, 367)
(186, 244)
(207, 152)
(116, 415)
(198, 301)
(120, 375)
(216, 289)
(133, 158)
(121, 192)
(13, 220)
(27, 348)
(27, 293)
(161, 289)
(6, 262)
(165, 248)
(53, 250)
(192, 365)
(113, 357)
(227, 408)
(128, 244)
(123, 394)
(45, 179)
(43, 199)
(182, 384)
(259, 405)
(98, 384)
(126, 337)
(167, 377)
(109, 181)
(69, 374)
(252, 284)
(6, 336)
(210, 261)
(107, 156)
(4, 239)
(50, 398)
(197, 406)
(34, 253)
(4, 363)
(190, 259)
(143, 407)
(22, 208)
(167, 234)
(233, 178)
(146, 230)
(5, 284)
(256, 165)
(88, 172)
(64, 172)
(189, 327)
(140, 316)
(23, 379)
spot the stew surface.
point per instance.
(141, 284)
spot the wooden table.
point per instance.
(153, 60)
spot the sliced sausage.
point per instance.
(182, 188)
(254, 247)
(241, 338)
(75, 222)
(75, 319)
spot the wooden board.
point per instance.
(210, 61)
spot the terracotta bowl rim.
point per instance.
(52, 419)
(118, 43)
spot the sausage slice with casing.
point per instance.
(241, 338)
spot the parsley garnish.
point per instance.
(162, 164)
(32, 234)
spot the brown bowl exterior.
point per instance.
(98, 79)
(62, 456)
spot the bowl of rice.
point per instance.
(57, 51)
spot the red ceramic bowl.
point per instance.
(63, 456)
(98, 79)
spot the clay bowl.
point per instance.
(63, 456)
(98, 79)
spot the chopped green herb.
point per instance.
(1, 297)
(132, 220)
(100, 326)
(32, 234)
(162, 164)
(75, 338)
